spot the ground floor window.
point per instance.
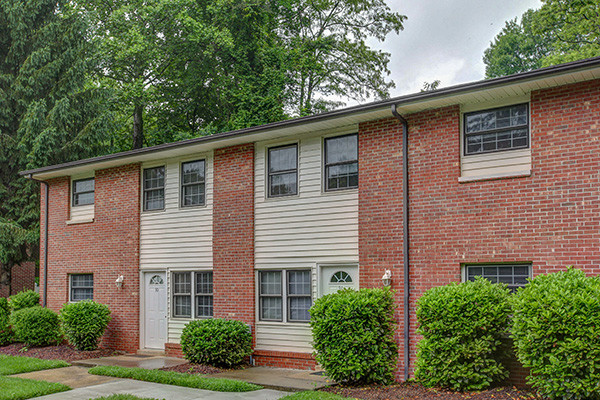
(81, 287)
(513, 275)
(288, 290)
(192, 291)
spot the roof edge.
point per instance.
(443, 92)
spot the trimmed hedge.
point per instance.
(353, 333)
(84, 323)
(25, 299)
(36, 326)
(462, 327)
(556, 330)
(6, 335)
(216, 341)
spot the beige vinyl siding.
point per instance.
(177, 237)
(310, 227)
(301, 231)
(81, 213)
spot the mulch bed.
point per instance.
(194, 369)
(61, 352)
(411, 391)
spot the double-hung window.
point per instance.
(154, 188)
(514, 276)
(193, 183)
(288, 290)
(83, 192)
(187, 296)
(82, 287)
(341, 162)
(283, 170)
(499, 129)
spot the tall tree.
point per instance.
(328, 55)
(48, 114)
(560, 31)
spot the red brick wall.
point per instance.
(550, 219)
(108, 247)
(233, 233)
(22, 278)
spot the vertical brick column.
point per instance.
(106, 248)
(233, 233)
(380, 227)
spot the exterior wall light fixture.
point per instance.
(387, 278)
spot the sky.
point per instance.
(445, 39)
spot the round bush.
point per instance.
(556, 330)
(216, 341)
(353, 335)
(6, 335)
(25, 299)
(462, 326)
(84, 323)
(36, 326)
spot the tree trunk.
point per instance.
(138, 127)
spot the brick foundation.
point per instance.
(281, 359)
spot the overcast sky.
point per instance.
(445, 39)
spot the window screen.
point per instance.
(514, 276)
(499, 129)
(83, 192)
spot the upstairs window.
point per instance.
(83, 192)
(495, 130)
(341, 162)
(193, 183)
(82, 287)
(514, 276)
(154, 188)
(283, 171)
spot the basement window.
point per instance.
(514, 276)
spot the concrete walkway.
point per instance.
(159, 391)
(133, 361)
(278, 378)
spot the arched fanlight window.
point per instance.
(156, 280)
(341, 277)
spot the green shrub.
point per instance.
(462, 327)
(36, 326)
(25, 299)
(216, 341)
(353, 334)
(83, 323)
(556, 330)
(6, 335)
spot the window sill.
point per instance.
(516, 174)
(80, 221)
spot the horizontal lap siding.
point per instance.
(301, 231)
(82, 212)
(503, 162)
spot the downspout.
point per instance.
(405, 240)
(46, 198)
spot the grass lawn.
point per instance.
(176, 378)
(122, 397)
(19, 389)
(313, 395)
(10, 365)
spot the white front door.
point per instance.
(155, 318)
(334, 278)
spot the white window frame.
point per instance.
(285, 309)
(193, 294)
(164, 188)
(86, 287)
(182, 185)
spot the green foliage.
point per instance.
(24, 299)
(556, 330)
(176, 378)
(6, 335)
(36, 326)
(353, 333)
(19, 389)
(83, 323)
(216, 341)
(462, 327)
(558, 32)
(10, 365)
